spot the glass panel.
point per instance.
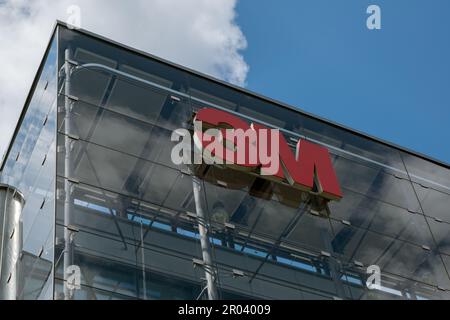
(427, 173)
(181, 197)
(87, 49)
(441, 233)
(435, 204)
(36, 273)
(311, 232)
(415, 263)
(34, 136)
(38, 220)
(266, 112)
(446, 260)
(208, 91)
(136, 138)
(30, 167)
(234, 206)
(138, 101)
(391, 255)
(90, 86)
(130, 97)
(118, 172)
(375, 184)
(354, 146)
(380, 217)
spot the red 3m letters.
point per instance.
(310, 166)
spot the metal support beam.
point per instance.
(203, 226)
(333, 264)
(68, 237)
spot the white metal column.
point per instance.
(68, 236)
(11, 205)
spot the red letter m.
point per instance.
(312, 165)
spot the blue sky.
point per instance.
(392, 83)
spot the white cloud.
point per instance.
(200, 34)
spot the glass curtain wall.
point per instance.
(132, 207)
(30, 167)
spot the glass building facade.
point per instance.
(91, 157)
